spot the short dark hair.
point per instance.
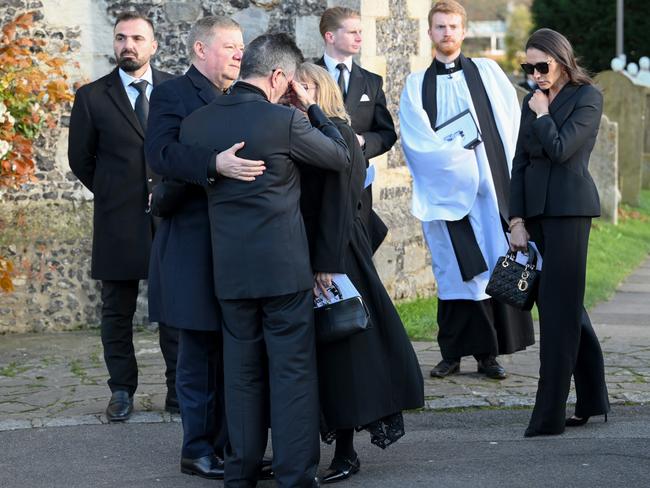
(559, 48)
(133, 15)
(268, 52)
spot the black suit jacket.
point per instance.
(258, 236)
(550, 175)
(374, 122)
(181, 290)
(106, 152)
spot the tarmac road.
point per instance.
(478, 448)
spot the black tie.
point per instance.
(342, 68)
(141, 103)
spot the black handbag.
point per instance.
(513, 283)
(338, 320)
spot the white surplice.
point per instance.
(450, 182)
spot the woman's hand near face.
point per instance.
(300, 97)
(539, 102)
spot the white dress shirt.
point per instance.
(331, 64)
(131, 91)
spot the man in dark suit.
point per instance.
(181, 291)
(105, 151)
(262, 273)
(364, 97)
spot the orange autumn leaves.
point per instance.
(33, 90)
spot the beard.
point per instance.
(130, 64)
(448, 48)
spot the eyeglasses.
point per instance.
(542, 68)
(307, 86)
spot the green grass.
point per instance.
(614, 252)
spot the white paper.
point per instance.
(341, 289)
(370, 176)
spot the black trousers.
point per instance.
(199, 384)
(119, 299)
(270, 360)
(466, 327)
(568, 344)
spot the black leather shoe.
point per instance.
(209, 467)
(445, 368)
(491, 368)
(171, 403)
(578, 421)
(266, 473)
(120, 406)
(341, 469)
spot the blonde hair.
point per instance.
(448, 7)
(333, 18)
(328, 95)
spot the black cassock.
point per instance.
(482, 327)
(369, 378)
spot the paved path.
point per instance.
(60, 379)
(477, 448)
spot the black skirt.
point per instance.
(369, 378)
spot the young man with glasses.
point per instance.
(461, 196)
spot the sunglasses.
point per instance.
(542, 68)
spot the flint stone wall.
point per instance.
(46, 227)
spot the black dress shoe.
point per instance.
(171, 404)
(578, 421)
(120, 406)
(445, 368)
(209, 467)
(266, 472)
(341, 469)
(491, 368)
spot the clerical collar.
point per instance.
(448, 68)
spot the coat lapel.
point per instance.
(355, 89)
(555, 108)
(205, 89)
(117, 93)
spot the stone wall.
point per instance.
(46, 227)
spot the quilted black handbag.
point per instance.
(336, 321)
(513, 283)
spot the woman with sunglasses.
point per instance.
(368, 378)
(552, 201)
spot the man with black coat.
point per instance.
(262, 273)
(105, 151)
(181, 290)
(364, 98)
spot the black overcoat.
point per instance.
(106, 152)
(375, 373)
(181, 288)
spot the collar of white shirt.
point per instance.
(127, 79)
(331, 63)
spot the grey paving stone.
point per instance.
(11, 424)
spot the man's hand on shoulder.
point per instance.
(230, 165)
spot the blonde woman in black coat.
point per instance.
(552, 201)
(366, 380)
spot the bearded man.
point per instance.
(461, 195)
(106, 152)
